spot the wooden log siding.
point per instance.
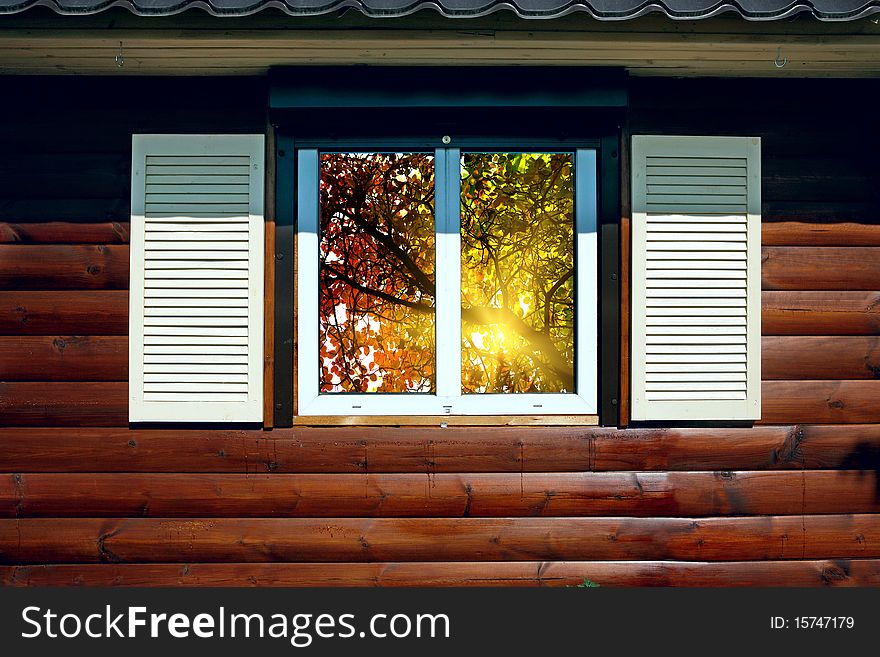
(87, 500)
(795, 573)
(483, 495)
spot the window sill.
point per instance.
(448, 420)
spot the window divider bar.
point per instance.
(587, 271)
(447, 213)
(308, 224)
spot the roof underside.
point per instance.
(607, 10)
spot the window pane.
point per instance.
(376, 299)
(517, 272)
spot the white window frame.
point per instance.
(448, 399)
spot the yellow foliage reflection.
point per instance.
(517, 280)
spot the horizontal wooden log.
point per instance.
(584, 494)
(818, 177)
(35, 175)
(801, 233)
(65, 232)
(64, 358)
(820, 313)
(819, 211)
(63, 267)
(820, 357)
(820, 402)
(820, 268)
(97, 404)
(65, 209)
(105, 404)
(152, 540)
(837, 572)
(429, 450)
(81, 312)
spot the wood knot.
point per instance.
(94, 270)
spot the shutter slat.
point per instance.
(204, 368)
(156, 255)
(687, 367)
(223, 248)
(197, 264)
(196, 397)
(709, 376)
(194, 293)
(732, 318)
(191, 303)
(197, 278)
(205, 319)
(686, 293)
(179, 348)
(186, 311)
(185, 360)
(696, 280)
(201, 227)
(217, 378)
(197, 236)
(697, 396)
(690, 348)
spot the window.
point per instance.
(449, 281)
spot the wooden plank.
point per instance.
(65, 232)
(820, 401)
(64, 358)
(255, 540)
(820, 313)
(51, 175)
(820, 268)
(430, 450)
(798, 573)
(63, 267)
(818, 176)
(625, 236)
(585, 494)
(269, 285)
(81, 312)
(65, 209)
(808, 357)
(68, 404)
(819, 211)
(800, 233)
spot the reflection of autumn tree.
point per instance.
(377, 273)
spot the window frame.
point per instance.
(606, 367)
(448, 399)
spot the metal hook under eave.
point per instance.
(776, 61)
(120, 58)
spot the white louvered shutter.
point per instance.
(196, 305)
(696, 279)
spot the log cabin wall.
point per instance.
(794, 500)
